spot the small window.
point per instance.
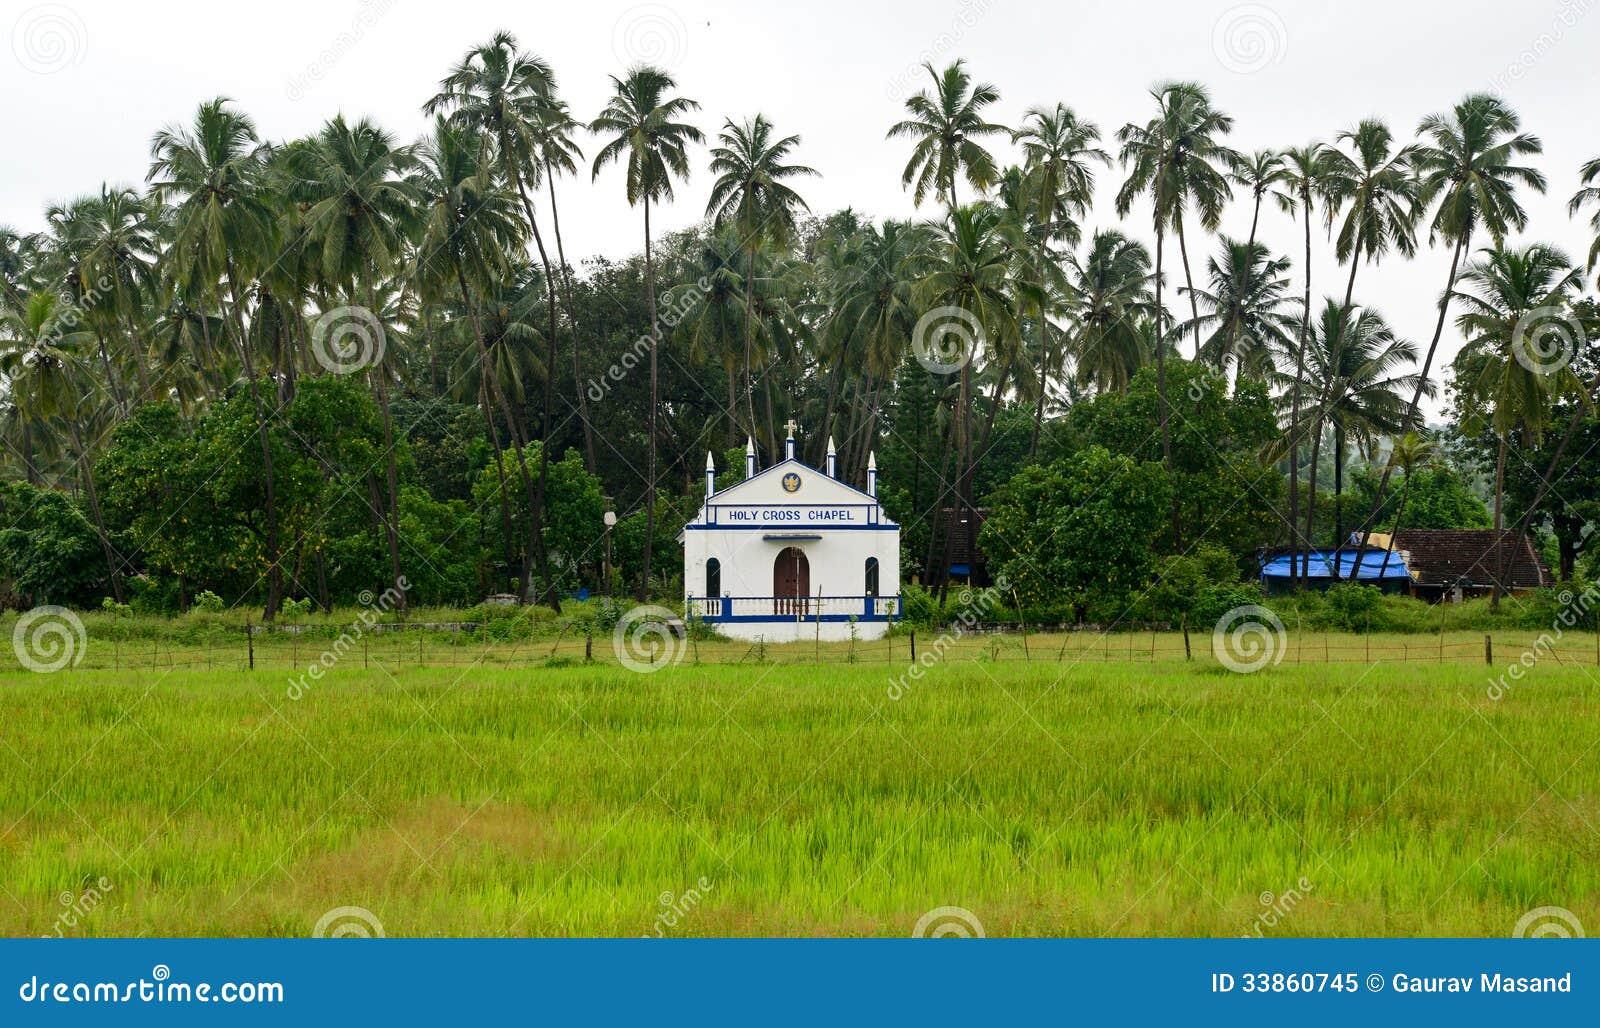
(713, 577)
(872, 576)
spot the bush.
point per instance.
(1353, 607)
(207, 602)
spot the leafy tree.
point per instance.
(1078, 531)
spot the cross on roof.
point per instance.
(791, 426)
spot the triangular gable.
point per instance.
(814, 488)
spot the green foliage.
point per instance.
(49, 552)
(208, 602)
(1225, 490)
(1078, 531)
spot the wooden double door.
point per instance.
(791, 582)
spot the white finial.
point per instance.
(872, 473)
(750, 457)
(788, 444)
(710, 464)
(833, 460)
(872, 460)
(830, 445)
(750, 444)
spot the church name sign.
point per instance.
(791, 516)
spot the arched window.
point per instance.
(713, 577)
(872, 576)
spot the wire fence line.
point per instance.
(293, 652)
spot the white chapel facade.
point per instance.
(792, 553)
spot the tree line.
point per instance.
(318, 367)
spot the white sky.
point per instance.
(87, 82)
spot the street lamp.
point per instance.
(611, 521)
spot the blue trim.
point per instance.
(797, 619)
(868, 604)
(768, 528)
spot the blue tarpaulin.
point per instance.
(1370, 569)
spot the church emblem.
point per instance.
(791, 483)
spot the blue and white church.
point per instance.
(792, 553)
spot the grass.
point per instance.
(1087, 798)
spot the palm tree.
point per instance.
(1590, 194)
(19, 253)
(1246, 310)
(213, 171)
(41, 357)
(1172, 157)
(642, 121)
(1382, 193)
(1060, 152)
(558, 152)
(506, 95)
(469, 226)
(359, 208)
(1176, 158)
(1108, 300)
(112, 243)
(946, 124)
(750, 195)
(1304, 184)
(1467, 168)
(1352, 361)
(873, 311)
(1516, 296)
(969, 268)
(1257, 173)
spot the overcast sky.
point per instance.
(87, 82)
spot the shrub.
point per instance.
(207, 602)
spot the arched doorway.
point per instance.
(791, 581)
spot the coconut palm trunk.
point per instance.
(1422, 379)
(650, 420)
(274, 570)
(590, 464)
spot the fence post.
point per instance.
(250, 643)
(1186, 654)
(1488, 649)
(913, 646)
(588, 646)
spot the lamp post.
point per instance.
(611, 521)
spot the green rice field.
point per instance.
(1078, 794)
